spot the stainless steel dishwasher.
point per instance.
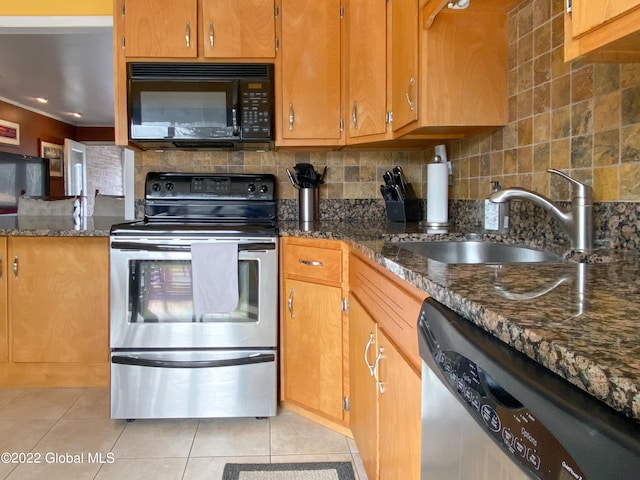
(489, 412)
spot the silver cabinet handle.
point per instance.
(375, 370)
(187, 34)
(290, 305)
(354, 114)
(372, 340)
(211, 35)
(15, 267)
(406, 94)
(0, 267)
(311, 263)
(291, 117)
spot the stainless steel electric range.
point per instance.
(193, 298)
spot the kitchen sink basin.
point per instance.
(475, 252)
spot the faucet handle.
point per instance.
(580, 190)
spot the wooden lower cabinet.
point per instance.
(363, 395)
(313, 330)
(58, 291)
(399, 411)
(313, 351)
(385, 401)
(4, 332)
(385, 383)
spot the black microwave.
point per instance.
(200, 105)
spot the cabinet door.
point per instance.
(587, 15)
(161, 28)
(58, 299)
(4, 339)
(404, 62)
(364, 406)
(313, 347)
(310, 107)
(367, 72)
(238, 28)
(400, 404)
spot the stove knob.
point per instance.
(251, 188)
(156, 187)
(264, 189)
(169, 186)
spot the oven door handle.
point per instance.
(163, 247)
(227, 362)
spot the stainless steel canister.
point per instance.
(308, 204)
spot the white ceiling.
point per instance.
(72, 67)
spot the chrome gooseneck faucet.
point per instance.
(578, 223)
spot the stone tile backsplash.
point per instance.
(581, 118)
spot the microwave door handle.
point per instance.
(234, 121)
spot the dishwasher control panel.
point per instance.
(510, 423)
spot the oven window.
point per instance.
(160, 292)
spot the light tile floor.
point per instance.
(68, 432)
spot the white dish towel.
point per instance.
(214, 277)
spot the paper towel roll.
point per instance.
(437, 193)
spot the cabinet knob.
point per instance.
(15, 267)
(291, 117)
(406, 95)
(354, 114)
(311, 263)
(372, 340)
(376, 364)
(290, 305)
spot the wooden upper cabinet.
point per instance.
(588, 15)
(404, 62)
(160, 28)
(185, 29)
(464, 70)
(238, 28)
(366, 105)
(309, 107)
(603, 31)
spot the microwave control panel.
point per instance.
(256, 109)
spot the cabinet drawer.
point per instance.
(315, 263)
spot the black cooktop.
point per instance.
(206, 204)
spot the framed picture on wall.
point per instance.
(55, 154)
(9, 132)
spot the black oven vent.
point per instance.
(150, 70)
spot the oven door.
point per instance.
(151, 297)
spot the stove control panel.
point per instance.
(210, 186)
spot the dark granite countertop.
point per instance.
(34, 226)
(580, 320)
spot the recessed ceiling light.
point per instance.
(75, 114)
(42, 100)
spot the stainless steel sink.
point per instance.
(475, 252)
